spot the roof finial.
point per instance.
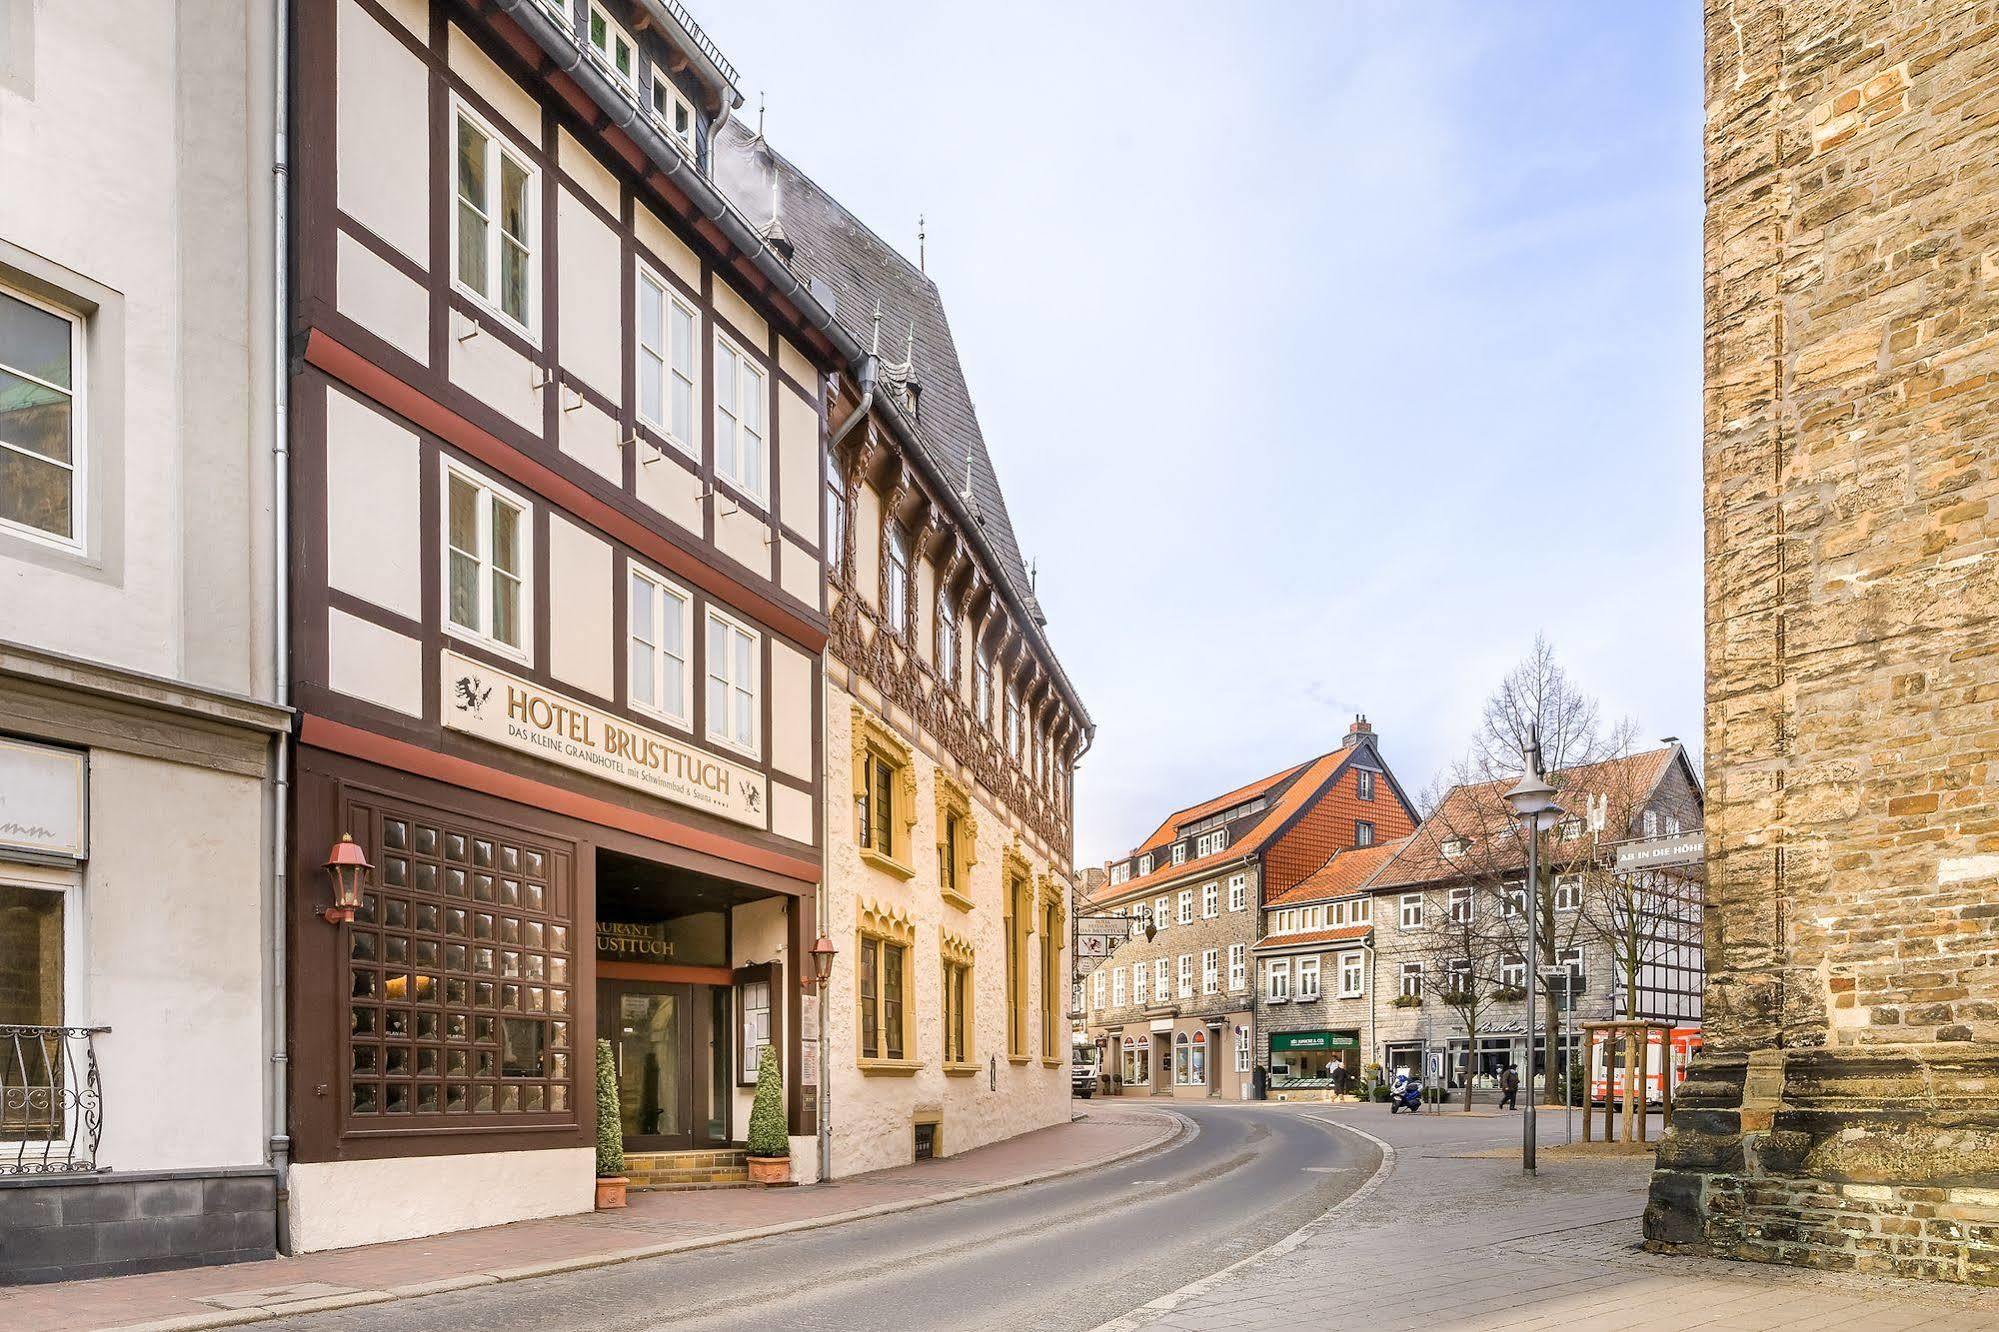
(921, 249)
(909, 347)
(875, 347)
(760, 117)
(1034, 576)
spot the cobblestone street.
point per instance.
(1451, 1236)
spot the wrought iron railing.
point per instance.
(51, 1101)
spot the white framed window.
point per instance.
(1458, 972)
(1363, 783)
(1412, 911)
(1117, 988)
(1277, 980)
(1672, 825)
(739, 419)
(1571, 960)
(1412, 980)
(1308, 979)
(1238, 968)
(836, 520)
(667, 342)
(1651, 823)
(1121, 873)
(1513, 900)
(1513, 973)
(493, 231)
(1568, 892)
(673, 113)
(1186, 916)
(1179, 853)
(1139, 989)
(1097, 988)
(982, 684)
(1211, 971)
(43, 448)
(614, 49)
(1353, 976)
(1238, 893)
(488, 563)
(735, 669)
(1186, 976)
(1162, 907)
(947, 637)
(754, 997)
(896, 602)
(1014, 719)
(1363, 833)
(1145, 864)
(1242, 1049)
(1208, 843)
(1211, 901)
(1363, 911)
(1162, 983)
(660, 624)
(1461, 906)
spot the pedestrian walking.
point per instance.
(1509, 1082)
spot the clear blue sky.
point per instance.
(1307, 338)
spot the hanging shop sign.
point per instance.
(1282, 1041)
(44, 802)
(507, 710)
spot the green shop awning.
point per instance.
(1281, 1041)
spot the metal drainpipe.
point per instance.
(280, 1138)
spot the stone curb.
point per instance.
(1152, 1310)
(1178, 1126)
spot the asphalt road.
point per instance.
(1061, 1256)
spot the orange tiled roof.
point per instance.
(1344, 934)
(1180, 818)
(1348, 871)
(1478, 811)
(1311, 777)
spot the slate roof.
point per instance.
(1348, 871)
(1163, 834)
(857, 268)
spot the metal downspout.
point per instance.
(280, 1138)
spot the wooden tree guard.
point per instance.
(1634, 1035)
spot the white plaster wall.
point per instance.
(670, 489)
(374, 529)
(491, 82)
(799, 573)
(587, 171)
(591, 437)
(672, 251)
(153, 204)
(872, 1114)
(382, 171)
(791, 813)
(379, 298)
(749, 325)
(174, 956)
(791, 674)
(497, 375)
(757, 935)
(366, 661)
(339, 1204)
(579, 607)
(741, 536)
(798, 452)
(793, 363)
(587, 273)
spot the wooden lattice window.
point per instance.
(460, 976)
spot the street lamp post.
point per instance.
(1533, 803)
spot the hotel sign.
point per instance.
(44, 801)
(507, 710)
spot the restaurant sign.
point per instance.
(44, 801)
(521, 715)
(1281, 1041)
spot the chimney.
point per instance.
(1359, 730)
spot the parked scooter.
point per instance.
(1406, 1094)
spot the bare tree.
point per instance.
(1463, 954)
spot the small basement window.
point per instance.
(926, 1142)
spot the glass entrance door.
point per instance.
(664, 1039)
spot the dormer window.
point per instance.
(1121, 873)
(1209, 843)
(1179, 853)
(1455, 847)
(614, 47)
(1145, 864)
(673, 112)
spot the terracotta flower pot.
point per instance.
(610, 1192)
(769, 1169)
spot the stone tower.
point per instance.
(1845, 1113)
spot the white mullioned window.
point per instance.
(739, 419)
(1121, 873)
(1179, 853)
(667, 340)
(1412, 911)
(1162, 983)
(42, 439)
(896, 605)
(1162, 910)
(836, 519)
(1363, 783)
(1242, 1049)
(1211, 971)
(660, 620)
(1186, 976)
(1097, 988)
(1568, 892)
(1014, 720)
(735, 669)
(1308, 979)
(1412, 980)
(1277, 980)
(1238, 893)
(1513, 899)
(614, 48)
(1145, 864)
(1186, 916)
(1210, 842)
(1138, 986)
(1238, 968)
(672, 111)
(947, 637)
(1211, 901)
(982, 684)
(488, 562)
(1513, 973)
(1117, 988)
(1353, 976)
(493, 234)
(1461, 905)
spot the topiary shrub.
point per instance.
(610, 1132)
(767, 1132)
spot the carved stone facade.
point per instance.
(1842, 1114)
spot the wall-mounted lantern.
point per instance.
(822, 953)
(347, 867)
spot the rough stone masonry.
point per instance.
(1845, 1113)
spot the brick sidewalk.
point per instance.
(654, 1224)
(1454, 1237)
